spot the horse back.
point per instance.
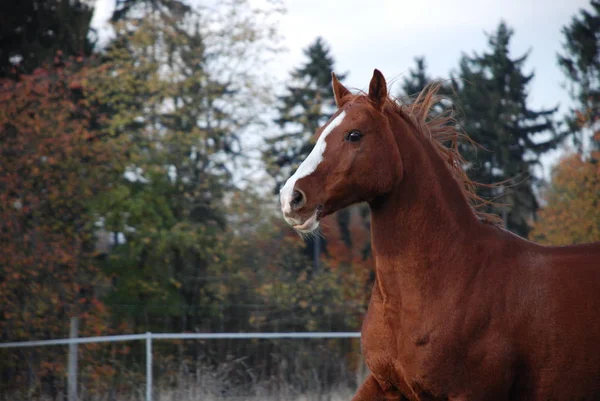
(558, 292)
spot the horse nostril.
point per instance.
(297, 200)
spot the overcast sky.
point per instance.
(388, 34)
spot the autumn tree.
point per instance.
(572, 211)
(54, 163)
(491, 98)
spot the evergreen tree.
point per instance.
(32, 31)
(307, 104)
(417, 79)
(125, 8)
(491, 99)
(580, 63)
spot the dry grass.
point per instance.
(312, 371)
(212, 385)
(201, 393)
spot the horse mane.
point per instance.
(443, 132)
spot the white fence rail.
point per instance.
(148, 337)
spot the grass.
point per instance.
(206, 384)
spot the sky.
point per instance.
(388, 34)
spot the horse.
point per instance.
(461, 309)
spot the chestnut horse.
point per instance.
(461, 309)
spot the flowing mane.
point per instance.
(441, 128)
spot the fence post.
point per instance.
(148, 366)
(72, 362)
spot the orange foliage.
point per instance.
(572, 213)
(355, 256)
(53, 164)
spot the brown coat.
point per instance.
(461, 309)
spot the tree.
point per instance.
(177, 108)
(572, 211)
(54, 162)
(580, 63)
(491, 99)
(32, 31)
(275, 281)
(307, 105)
(417, 79)
(349, 253)
(125, 8)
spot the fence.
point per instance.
(149, 337)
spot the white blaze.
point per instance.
(309, 165)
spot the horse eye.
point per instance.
(353, 136)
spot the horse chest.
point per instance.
(400, 356)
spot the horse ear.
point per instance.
(378, 89)
(339, 91)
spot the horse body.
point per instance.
(472, 311)
(461, 309)
(519, 328)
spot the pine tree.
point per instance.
(125, 8)
(417, 79)
(305, 107)
(33, 31)
(580, 62)
(491, 99)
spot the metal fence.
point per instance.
(149, 338)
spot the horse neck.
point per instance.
(421, 229)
